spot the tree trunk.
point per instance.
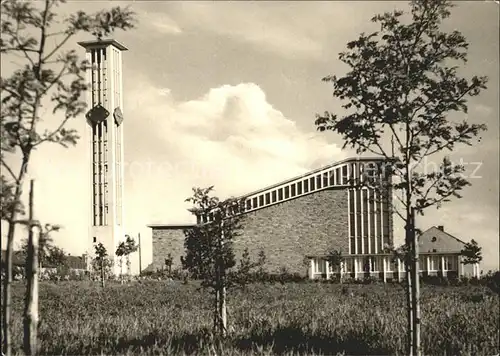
(216, 311)
(128, 267)
(121, 269)
(7, 292)
(223, 312)
(222, 286)
(341, 271)
(102, 274)
(416, 288)
(409, 292)
(140, 256)
(7, 297)
(31, 301)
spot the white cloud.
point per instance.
(231, 137)
(159, 22)
(483, 109)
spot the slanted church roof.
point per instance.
(435, 239)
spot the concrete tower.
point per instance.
(104, 139)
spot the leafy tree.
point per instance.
(48, 253)
(261, 261)
(402, 83)
(121, 250)
(168, 263)
(47, 74)
(472, 253)
(336, 261)
(209, 249)
(102, 262)
(243, 272)
(130, 247)
(125, 249)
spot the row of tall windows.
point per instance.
(118, 138)
(333, 177)
(99, 140)
(369, 221)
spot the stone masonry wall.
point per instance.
(287, 232)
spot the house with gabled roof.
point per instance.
(440, 255)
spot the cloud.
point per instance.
(254, 24)
(305, 30)
(483, 109)
(231, 137)
(158, 22)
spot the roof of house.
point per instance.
(435, 239)
(269, 188)
(171, 226)
(317, 170)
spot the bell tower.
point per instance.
(104, 139)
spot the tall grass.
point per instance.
(172, 318)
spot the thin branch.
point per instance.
(455, 100)
(427, 191)
(55, 80)
(401, 147)
(55, 33)
(399, 214)
(17, 49)
(57, 47)
(23, 50)
(446, 143)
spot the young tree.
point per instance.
(168, 263)
(336, 262)
(121, 250)
(261, 261)
(130, 247)
(243, 272)
(472, 253)
(209, 248)
(101, 262)
(402, 84)
(47, 74)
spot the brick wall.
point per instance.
(287, 232)
(165, 241)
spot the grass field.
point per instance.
(171, 318)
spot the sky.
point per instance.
(225, 94)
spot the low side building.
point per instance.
(440, 255)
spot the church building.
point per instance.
(299, 221)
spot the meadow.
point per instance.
(172, 318)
